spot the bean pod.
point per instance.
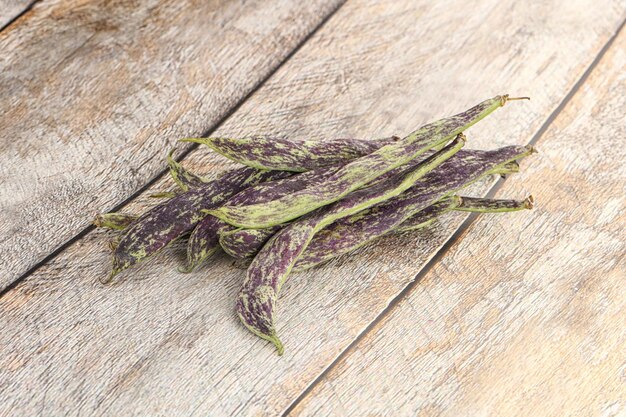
(173, 218)
(256, 303)
(246, 243)
(269, 269)
(357, 173)
(350, 233)
(290, 155)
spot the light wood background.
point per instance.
(516, 314)
(11, 9)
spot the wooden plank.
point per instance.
(93, 94)
(525, 314)
(166, 343)
(10, 9)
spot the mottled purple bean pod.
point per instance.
(256, 304)
(171, 219)
(352, 232)
(357, 173)
(246, 243)
(269, 269)
(203, 241)
(291, 155)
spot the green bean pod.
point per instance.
(115, 221)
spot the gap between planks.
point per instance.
(25, 10)
(182, 155)
(457, 235)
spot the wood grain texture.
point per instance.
(525, 314)
(10, 9)
(94, 93)
(173, 340)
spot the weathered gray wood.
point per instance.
(525, 314)
(166, 343)
(93, 94)
(9, 9)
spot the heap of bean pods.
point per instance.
(297, 204)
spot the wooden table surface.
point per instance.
(512, 314)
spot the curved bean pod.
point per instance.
(256, 303)
(291, 155)
(269, 269)
(351, 233)
(357, 173)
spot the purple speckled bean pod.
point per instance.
(173, 218)
(350, 233)
(257, 298)
(356, 173)
(291, 155)
(450, 177)
(245, 243)
(256, 304)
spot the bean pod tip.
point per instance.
(107, 279)
(194, 140)
(529, 202)
(187, 269)
(271, 337)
